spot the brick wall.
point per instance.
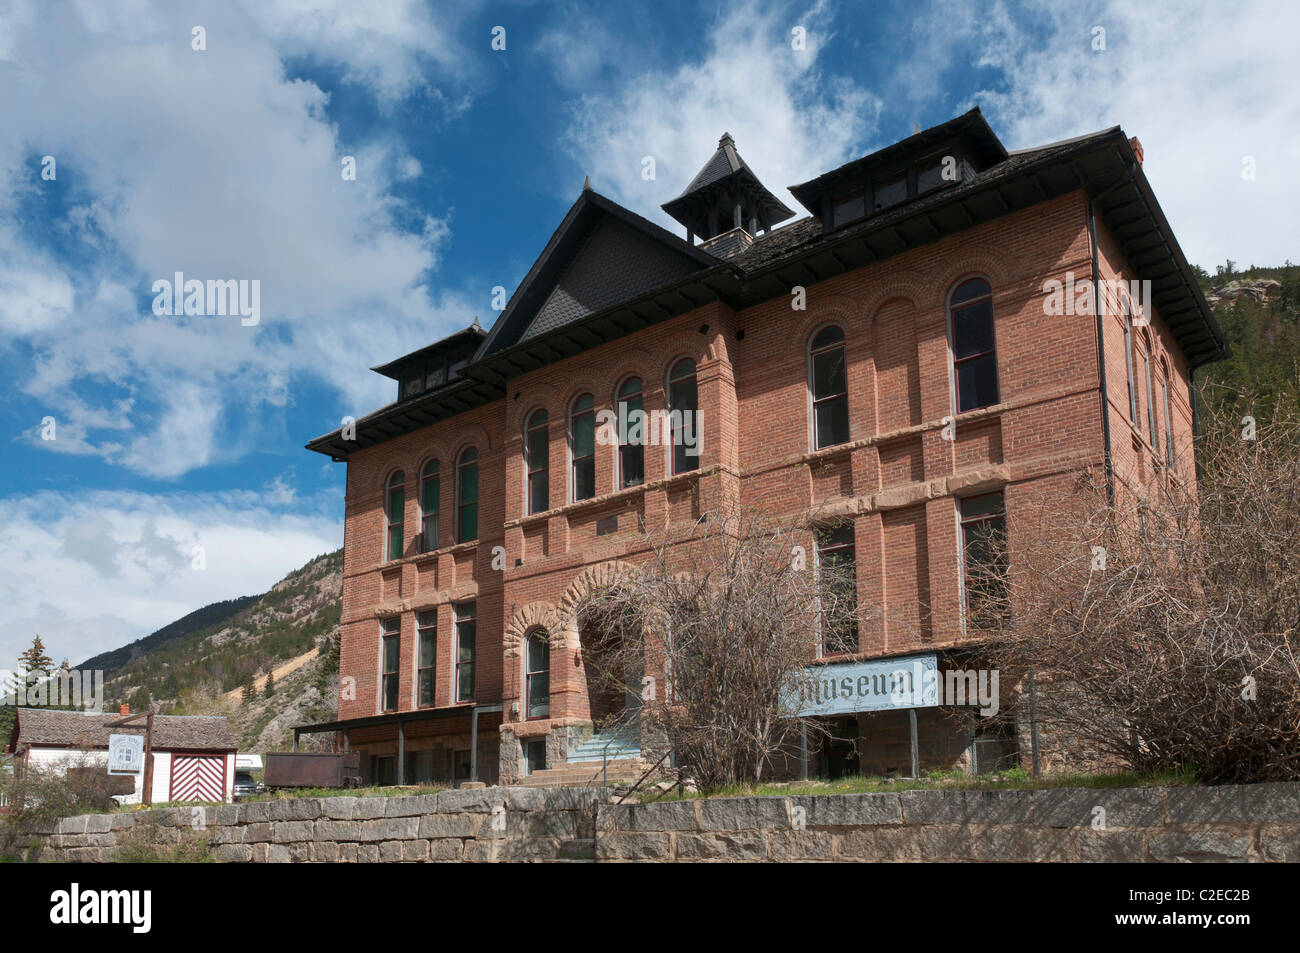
(897, 475)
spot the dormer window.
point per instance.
(848, 207)
(929, 172)
(889, 191)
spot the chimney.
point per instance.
(124, 710)
(1136, 144)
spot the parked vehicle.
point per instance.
(246, 782)
(313, 769)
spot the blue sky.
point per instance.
(181, 432)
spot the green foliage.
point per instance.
(146, 843)
(38, 797)
(1262, 376)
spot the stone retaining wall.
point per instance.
(1230, 823)
(486, 824)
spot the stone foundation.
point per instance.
(1231, 823)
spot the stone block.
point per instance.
(1191, 847)
(965, 807)
(634, 845)
(1123, 807)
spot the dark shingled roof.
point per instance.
(75, 729)
(1102, 164)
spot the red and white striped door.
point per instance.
(198, 777)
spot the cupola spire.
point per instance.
(726, 195)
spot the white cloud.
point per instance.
(1202, 86)
(391, 47)
(790, 118)
(92, 571)
(216, 165)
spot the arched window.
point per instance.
(1128, 360)
(1165, 394)
(631, 433)
(1150, 391)
(467, 495)
(537, 448)
(683, 415)
(974, 355)
(537, 674)
(828, 383)
(582, 447)
(430, 486)
(395, 511)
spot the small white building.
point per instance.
(193, 755)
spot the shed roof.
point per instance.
(40, 727)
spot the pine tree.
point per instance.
(35, 659)
(248, 692)
(270, 684)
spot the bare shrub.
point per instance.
(713, 629)
(1162, 635)
(39, 795)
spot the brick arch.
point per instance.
(896, 290)
(692, 344)
(640, 365)
(584, 584)
(471, 434)
(583, 385)
(433, 450)
(532, 616)
(539, 396)
(560, 619)
(833, 308)
(985, 264)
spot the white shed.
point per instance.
(193, 755)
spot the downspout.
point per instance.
(1101, 352)
(1129, 168)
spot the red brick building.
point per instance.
(892, 357)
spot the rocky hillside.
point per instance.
(222, 668)
(1259, 310)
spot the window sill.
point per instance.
(626, 493)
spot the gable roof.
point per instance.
(595, 232)
(1102, 164)
(75, 729)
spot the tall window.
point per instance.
(829, 385)
(467, 496)
(1151, 392)
(983, 533)
(429, 491)
(683, 410)
(582, 447)
(395, 510)
(466, 614)
(974, 357)
(631, 430)
(537, 448)
(392, 649)
(537, 674)
(427, 630)
(1169, 415)
(837, 568)
(1128, 362)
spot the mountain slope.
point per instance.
(204, 670)
(196, 621)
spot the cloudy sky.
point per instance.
(177, 432)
